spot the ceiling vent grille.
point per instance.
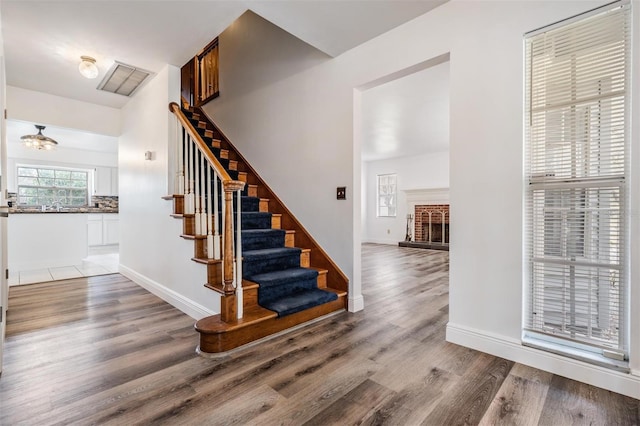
(123, 79)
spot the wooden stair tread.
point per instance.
(173, 196)
(206, 261)
(252, 316)
(193, 237)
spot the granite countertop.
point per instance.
(37, 210)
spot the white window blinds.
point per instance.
(576, 135)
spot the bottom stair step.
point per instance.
(217, 336)
(299, 301)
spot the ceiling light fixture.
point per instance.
(88, 67)
(39, 141)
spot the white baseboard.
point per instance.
(188, 306)
(503, 347)
(356, 304)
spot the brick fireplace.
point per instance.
(429, 209)
(431, 223)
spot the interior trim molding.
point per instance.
(188, 306)
(511, 349)
(355, 304)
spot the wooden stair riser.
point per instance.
(322, 278)
(214, 275)
(290, 239)
(305, 258)
(178, 204)
(253, 190)
(264, 204)
(189, 225)
(200, 245)
(276, 221)
(249, 294)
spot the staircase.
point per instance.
(279, 278)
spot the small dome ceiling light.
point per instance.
(88, 67)
(39, 141)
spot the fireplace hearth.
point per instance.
(431, 227)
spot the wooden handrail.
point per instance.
(213, 161)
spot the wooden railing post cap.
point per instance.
(233, 185)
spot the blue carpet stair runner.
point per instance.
(284, 286)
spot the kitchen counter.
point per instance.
(52, 239)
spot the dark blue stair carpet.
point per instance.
(252, 220)
(269, 260)
(277, 278)
(280, 284)
(257, 239)
(300, 301)
(256, 220)
(250, 204)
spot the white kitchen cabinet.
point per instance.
(114, 181)
(103, 229)
(94, 230)
(46, 240)
(110, 229)
(105, 181)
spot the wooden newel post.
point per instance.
(229, 188)
(228, 307)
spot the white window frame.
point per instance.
(576, 167)
(387, 195)
(62, 199)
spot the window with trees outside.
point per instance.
(577, 157)
(387, 195)
(39, 186)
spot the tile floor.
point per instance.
(99, 262)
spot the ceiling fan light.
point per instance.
(88, 67)
(39, 141)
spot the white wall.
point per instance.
(298, 131)
(425, 171)
(43, 108)
(151, 250)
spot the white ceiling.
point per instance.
(43, 40)
(66, 138)
(407, 116)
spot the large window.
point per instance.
(39, 186)
(577, 128)
(387, 195)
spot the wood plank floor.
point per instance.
(102, 350)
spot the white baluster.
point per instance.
(217, 249)
(198, 213)
(210, 249)
(239, 293)
(189, 200)
(183, 158)
(223, 207)
(179, 189)
(203, 189)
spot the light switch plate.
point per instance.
(341, 193)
